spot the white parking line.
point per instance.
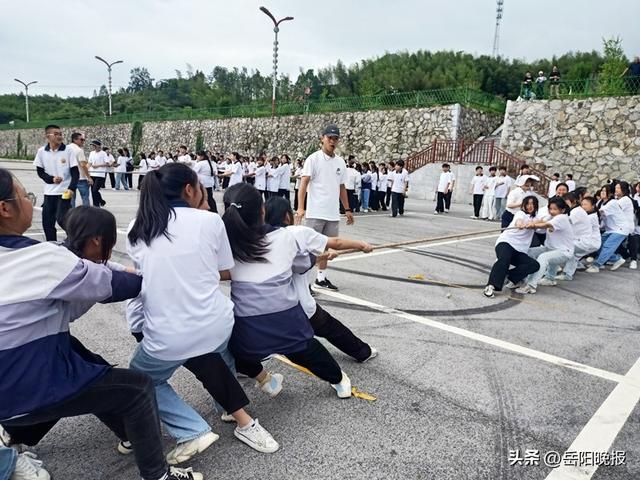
(512, 347)
(600, 432)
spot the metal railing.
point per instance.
(484, 153)
(463, 95)
(591, 87)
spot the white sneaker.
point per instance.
(365, 210)
(545, 282)
(184, 451)
(512, 286)
(374, 354)
(257, 437)
(527, 289)
(124, 448)
(563, 277)
(343, 389)
(618, 264)
(175, 473)
(590, 259)
(489, 291)
(474, 217)
(227, 417)
(592, 269)
(446, 210)
(28, 467)
(5, 438)
(436, 213)
(274, 386)
(633, 265)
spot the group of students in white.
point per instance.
(576, 230)
(176, 311)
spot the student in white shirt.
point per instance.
(374, 198)
(185, 320)
(143, 168)
(619, 220)
(555, 180)
(570, 182)
(84, 177)
(161, 159)
(234, 171)
(130, 168)
(511, 249)
(586, 232)
(206, 174)
(273, 177)
(284, 178)
(524, 185)
(558, 247)
(382, 185)
(261, 177)
(98, 168)
(391, 168)
(297, 174)
(477, 187)
(121, 170)
(111, 162)
(399, 189)
(57, 167)
(503, 186)
(488, 209)
(183, 156)
(444, 189)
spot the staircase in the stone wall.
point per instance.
(484, 152)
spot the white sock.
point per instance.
(321, 276)
(248, 426)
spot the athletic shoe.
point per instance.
(326, 284)
(227, 417)
(545, 282)
(274, 386)
(473, 217)
(343, 389)
(590, 259)
(592, 269)
(5, 438)
(436, 213)
(125, 448)
(184, 451)
(618, 264)
(374, 354)
(527, 289)
(581, 266)
(563, 277)
(633, 265)
(365, 211)
(257, 437)
(446, 210)
(175, 473)
(489, 291)
(512, 286)
(28, 467)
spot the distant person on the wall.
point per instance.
(568, 179)
(445, 187)
(554, 80)
(540, 81)
(633, 76)
(527, 86)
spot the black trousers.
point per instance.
(315, 357)
(140, 178)
(284, 193)
(326, 326)
(98, 183)
(507, 218)
(374, 201)
(440, 202)
(397, 203)
(353, 200)
(507, 256)
(633, 243)
(124, 400)
(477, 204)
(387, 200)
(112, 179)
(54, 209)
(225, 182)
(295, 199)
(213, 207)
(129, 179)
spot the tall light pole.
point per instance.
(109, 65)
(26, 94)
(496, 35)
(276, 29)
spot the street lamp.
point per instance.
(276, 29)
(109, 65)
(26, 94)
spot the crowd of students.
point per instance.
(176, 312)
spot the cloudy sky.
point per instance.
(55, 42)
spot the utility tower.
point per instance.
(496, 37)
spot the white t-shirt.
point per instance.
(374, 181)
(400, 181)
(161, 160)
(326, 175)
(382, 182)
(152, 164)
(203, 169)
(261, 178)
(619, 216)
(185, 313)
(519, 239)
(571, 184)
(297, 174)
(491, 185)
(562, 237)
(80, 158)
(143, 167)
(580, 222)
(503, 185)
(111, 162)
(186, 159)
(56, 163)
(122, 165)
(273, 182)
(237, 173)
(477, 184)
(446, 181)
(309, 241)
(285, 177)
(552, 188)
(516, 196)
(98, 158)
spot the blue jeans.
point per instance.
(610, 243)
(181, 421)
(549, 261)
(121, 179)
(8, 458)
(83, 189)
(365, 199)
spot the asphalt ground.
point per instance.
(465, 385)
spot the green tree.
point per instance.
(615, 61)
(136, 138)
(140, 80)
(199, 141)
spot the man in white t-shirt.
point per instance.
(161, 159)
(353, 179)
(57, 166)
(555, 180)
(235, 173)
(399, 189)
(488, 208)
(84, 179)
(444, 190)
(503, 184)
(98, 161)
(324, 175)
(184, 157)
(568, 179)
(478, 182)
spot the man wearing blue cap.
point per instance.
(324, 175)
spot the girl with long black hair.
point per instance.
(269, 317)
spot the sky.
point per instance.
(55, 42)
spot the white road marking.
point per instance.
(600, 432)
(512, 347)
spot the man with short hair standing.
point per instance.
(399, 189)
(84, 180)
(98, 162)
(58, 168)
(324, 175)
